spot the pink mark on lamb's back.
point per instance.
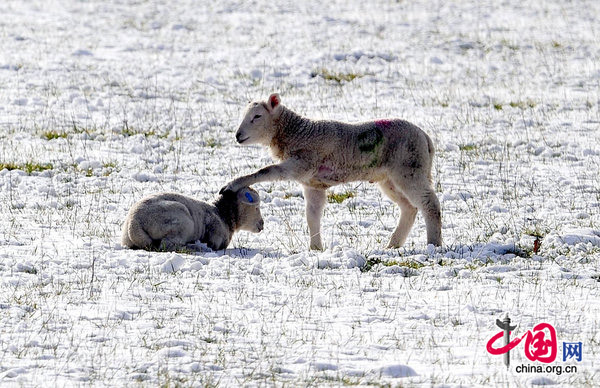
(324, 171)
(384, 123)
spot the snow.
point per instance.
(397, 371)
(121, 99)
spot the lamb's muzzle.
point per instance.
(239, 139)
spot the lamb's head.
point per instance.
(249, 216)
(257, 124)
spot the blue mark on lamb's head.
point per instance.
(249, 197)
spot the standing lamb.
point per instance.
(319, 154)
(168, 221)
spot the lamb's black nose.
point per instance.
(240, 137)
(261, 225)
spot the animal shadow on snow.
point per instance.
(201, 249)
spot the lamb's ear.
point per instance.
(273, 102)
(248, 197)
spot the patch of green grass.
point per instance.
(498, 106)
(406, 263)
(467, 147)
(523, 104)
(10, 166)
(185, 251)
(128, 131)
(471, 266)
(290, 195)
(79, 129)
(370, 263)
(212, 143)
(51, 135)
(88, 172)
(339, 197)
(28, 167)
(37, 167)
(336, 77)
(110, 167)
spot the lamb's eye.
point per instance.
(256, 117)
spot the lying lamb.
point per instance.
(320, 154)
(168, 221)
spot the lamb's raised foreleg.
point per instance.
(289, 169)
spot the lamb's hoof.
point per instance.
(393, 244)
(316, 246)
(232, 186)
(224, 189)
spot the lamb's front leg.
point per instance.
(315, 201)
(291, 169)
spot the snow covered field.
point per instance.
(103, 102)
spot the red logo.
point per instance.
(537, 346)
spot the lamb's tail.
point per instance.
(431, 150)
(134, 235)
(430, 146)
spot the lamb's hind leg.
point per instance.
(177, 227)
(315, 201)
(407, 216)
(134, 235)
(418, 191)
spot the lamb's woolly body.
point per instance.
(320, 154)
(367, 147)
(169, 220)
